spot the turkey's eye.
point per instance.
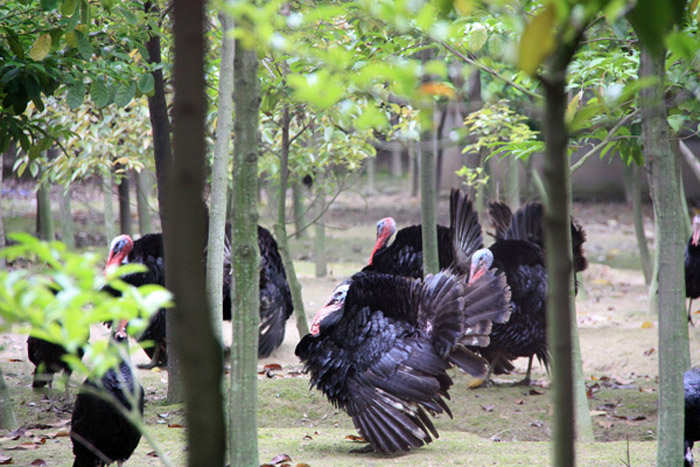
(379, 228)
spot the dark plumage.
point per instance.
(691, 385)
(404, 257)
(100, 434)
(47, 357)
(692, 265)
(275, 297)
(381, 346)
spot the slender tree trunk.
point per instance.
(431, 264)
(281, 231)
(162, 152)
(371, 165)
(7, 414)
(439, 149)
(395, 166)
(557, 233)
(246, 270)
(2, 224)
(481, 189)
(43, 204)
(320, 263)
(674, 358)
(219, 180)
(633, 188)
(298, 205)
(66, 219)
(124, 205)
(108, 203)
(143, 189)
(512, 182)
(199, 353)
(414, 158)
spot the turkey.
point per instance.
(47, 357)
(275, 297)
(692, 266)
(381, 347)
(691, 386)
(99, 432)
(404, 257)
(518, 252)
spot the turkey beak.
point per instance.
(475, 272)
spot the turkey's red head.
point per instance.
(335, 304)
(696, 230)
(481, 262)
(385, 229)
(118, 251)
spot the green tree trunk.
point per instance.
(413, 157)
(219, 179)
(2, 224)
(43, 204)
(674, 357)
(633, 184)
(7, 414)
(371, 167)
(246, 270)
(66, 218)
(199, 353)
(320, 262)
(431, 264)
(512, 177)
(143, 189)
(108, 204)
(281, 231)
(299, 211)
(125, 224)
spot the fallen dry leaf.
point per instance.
(278, 459)
(605, 423)
(302, 465)
(152, 454)
(39, 462)
(357, 439)
(23, 447)
(273, 367)
(307, 437)
(535, 392)
(59, 434)
(5, 459)
(488, 408)
(597, 413)
(647, 325)
(267, 465)
(175, 425)
(519, 402)
(649, 352)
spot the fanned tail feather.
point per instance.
(465, 228)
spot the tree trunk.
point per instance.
(246, 270)
(395, 166)
(281, 231)
(108, 203)
(143, 189)
(633, 190)
(431, 264)
(512, 177)
(371, 165)
(199, 353)
(2, 224)
(559, 259)
(320, 263)
(124, 205)
(219, 179)
(162, 152)
(674, 357)
(298, 204)
(45, 226)
(439, 148)
(66, 219)
(7, 414)
(414, 158)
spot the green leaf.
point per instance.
(68, 7)
(14, 44)
(124, 94)
(75, 95)
(146, 83)
(477, 38)
(41, 47)
(84, 46)
(48, 5)
(99, 93)
(652, 19)
(128, 15)
(537, 41)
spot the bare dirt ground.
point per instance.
(492, 426)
